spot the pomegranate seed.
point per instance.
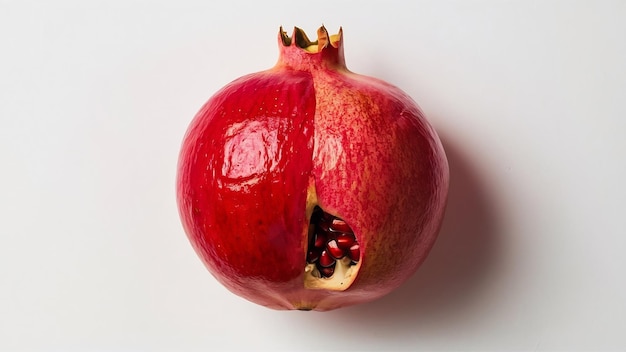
(345, 240)
(331, 240)
(313, 256)
(339, 225)
(354, 252)
(327, 272)
(320, 240)
(333, 249)
(326, 260)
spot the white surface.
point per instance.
(528, 96)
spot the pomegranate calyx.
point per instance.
(299, 52)
(302, 41)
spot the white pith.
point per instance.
(342, 278)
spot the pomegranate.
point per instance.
(310, 187)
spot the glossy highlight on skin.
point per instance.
(269, 147)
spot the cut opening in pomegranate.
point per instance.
(333, 252)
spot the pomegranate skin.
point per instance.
(268, 147)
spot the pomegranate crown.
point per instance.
(301, 40)
(299, 49)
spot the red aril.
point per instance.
(326, 260)
(333, 249)
(354, 252)
(345, 240)
(308, 186)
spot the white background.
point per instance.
(529, 98)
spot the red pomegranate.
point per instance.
(307, 186)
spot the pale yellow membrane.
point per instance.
(342, 278)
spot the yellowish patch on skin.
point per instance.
(311, 198)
